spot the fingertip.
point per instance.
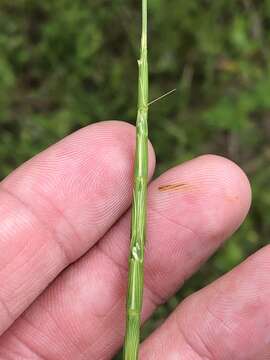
(125, 133)
(210, 194)
(228, 196)
(233, 179)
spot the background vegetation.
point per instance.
(67, 63)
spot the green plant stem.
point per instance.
(138, 221)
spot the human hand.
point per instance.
(73, 200)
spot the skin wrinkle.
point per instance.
(24, 318)
(208, 356)
(88, 349)
(11, 316)
(153, 296)
(186, 228)
(219, 293)
(214, 236)
(174, 222)
(8, 353)
(28, 347)
(21, 266)
(75, 234)
(52, 231)
(49, 313)
(17, 255)
(11, 352)
(8, 312)
(216, 318)
(219, 322)
(209, 312)
(120, 269)
(102, 251)
(161, 298)
(21, 250)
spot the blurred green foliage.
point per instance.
(67, 63)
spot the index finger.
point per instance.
(57, 205)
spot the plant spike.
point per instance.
(138, 221)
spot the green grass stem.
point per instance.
(138, 221)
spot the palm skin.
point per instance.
(64, 233)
